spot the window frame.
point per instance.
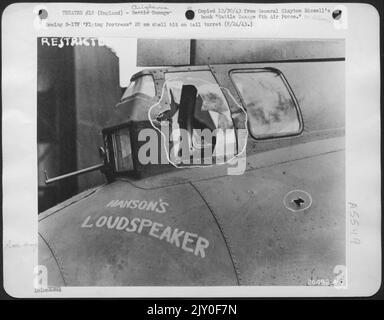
(291, 93)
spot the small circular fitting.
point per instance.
(336, 14)
(43, 14)
(297, 200)
(190, 14)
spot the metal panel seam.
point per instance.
(61, 207)
(59, 266)
(226, 240)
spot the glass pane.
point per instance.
(143, 84)
(123, 154)
(270, 107)
(211, 109)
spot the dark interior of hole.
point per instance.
(299, 201)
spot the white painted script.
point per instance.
(156, 206)
(187, 241)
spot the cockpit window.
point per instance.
(271, 107)
(144, 84)
(123, 151)
(210, 111)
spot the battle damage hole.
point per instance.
(43, 14)
(189, 14)
(336, 14)
(298, 201)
